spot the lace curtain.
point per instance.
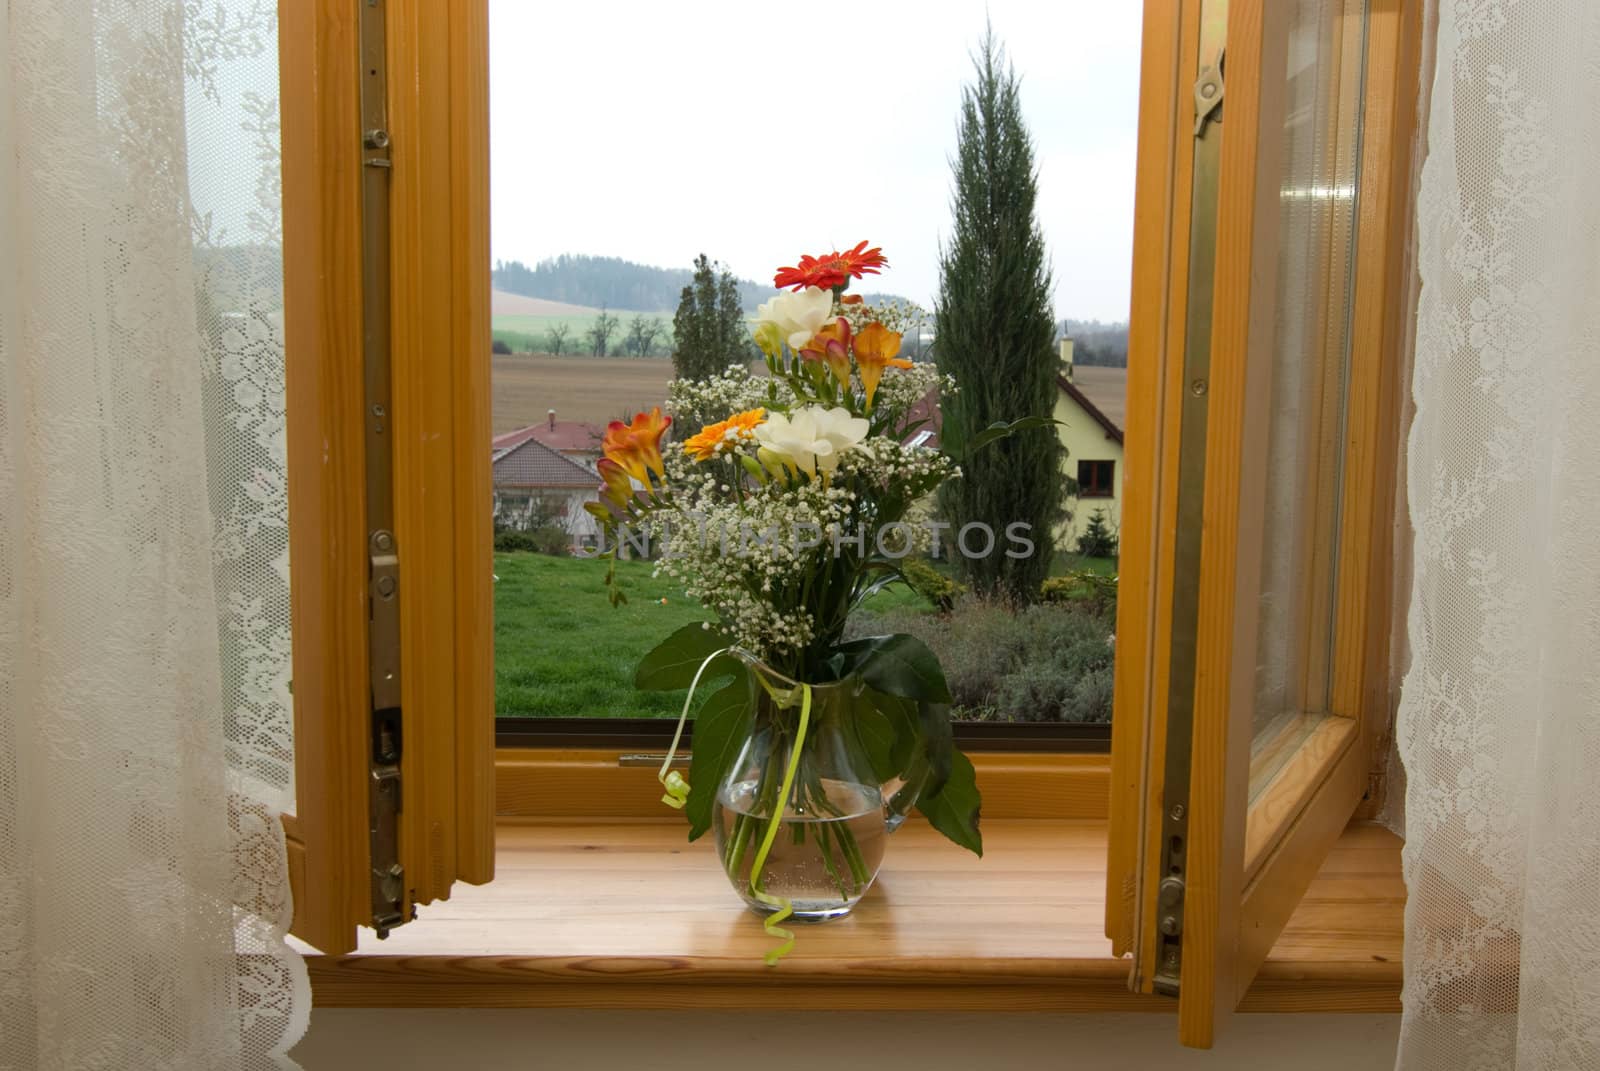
(145, 749)
(1499, 726)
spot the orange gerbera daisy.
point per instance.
(724, 435)
(832, 271)
(875, 348)
(636, 447)
(831, 344)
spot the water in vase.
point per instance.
(827, 852)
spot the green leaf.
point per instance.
(954, 809)
(937, 743)
(676, 659)
(1001, 430)
(876, 734)
(887, 728)
(720, 729)
(898, 665)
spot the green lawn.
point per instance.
(562, 651)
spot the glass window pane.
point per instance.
(1315, 277)
(608, 181)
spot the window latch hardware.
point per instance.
(1208, 94)
(388, 894)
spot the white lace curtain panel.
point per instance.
(145, 750)
(1499, 725)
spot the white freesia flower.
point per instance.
(799, 315)
(812, 437)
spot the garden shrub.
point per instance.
(940, 590)
(1083, 585)
(513, 540)
(1050, 662)
(1097, 540)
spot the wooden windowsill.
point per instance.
(625, 914)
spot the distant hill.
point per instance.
(617, 284)
(610, 281)
(504, 304)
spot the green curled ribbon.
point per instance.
(677, 794)
(784, 905)
(675, 783)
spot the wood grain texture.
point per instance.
(1274, 895)
(1276, 809)
(1365, 678)
(439, 353)
(626, 914)
(588, 783)
(473, 484)
(1282, 845)
(1235, 479)
(326, 458)
(1160, 280)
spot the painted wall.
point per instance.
(1086, 440)
(473, 1039)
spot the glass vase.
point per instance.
(831, 827)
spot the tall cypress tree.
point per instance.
(708, 330)
(996, 335)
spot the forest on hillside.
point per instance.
(607, 281)
(614, 283)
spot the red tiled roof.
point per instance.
(532, 464)
(567, 436)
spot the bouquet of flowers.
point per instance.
(798, 497)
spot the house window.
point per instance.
(1095, 479)
(589, 276)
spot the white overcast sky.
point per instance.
(757, 131)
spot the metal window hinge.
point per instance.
(385, 800)
(1208, 89)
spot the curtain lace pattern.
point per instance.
(1499, 723)
(145, 733)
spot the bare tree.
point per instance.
(642, 332)
(558, 337)
(600, 332)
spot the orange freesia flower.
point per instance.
(832, 270)
(711, 440)
(617, 488)
(831, 344)
(636, 447)
(876, 347)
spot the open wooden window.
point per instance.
(384, 120)
(1268, 303)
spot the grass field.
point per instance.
(562, 651)
(596, 389)
(529, 333)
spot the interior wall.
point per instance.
(770, 1041)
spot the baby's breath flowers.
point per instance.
(800, 488)
(772, 514)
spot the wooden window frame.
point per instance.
(436, 56)
(1248, 864)
(1095, 489)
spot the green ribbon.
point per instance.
(677, 794)
(784, 905)
(675, 783)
